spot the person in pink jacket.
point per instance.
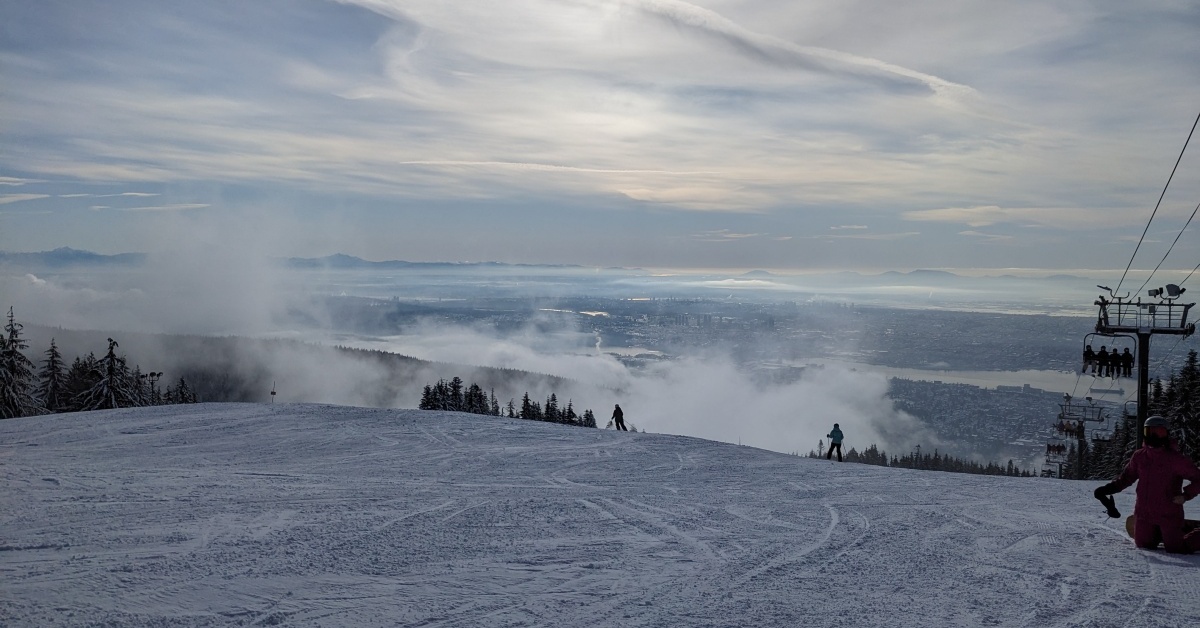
(1159, 471)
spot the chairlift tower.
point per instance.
(1164, 315)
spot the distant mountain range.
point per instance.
(349, 262)
(64, 257)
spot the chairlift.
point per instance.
(1071, 411)
(1056, 451)
(1123, 346)
(1102, 433)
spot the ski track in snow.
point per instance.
(309, 515)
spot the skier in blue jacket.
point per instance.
(835, 442)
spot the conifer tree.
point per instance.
(426, 398)
(83, 374)
(114, 389)
(52, 380)
(455, 400)
(527, 409)
(475, 401)
(1185, 415)
(17, 386)
(185, 393)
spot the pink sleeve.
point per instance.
(1129, 475)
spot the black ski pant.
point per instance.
(838, 447)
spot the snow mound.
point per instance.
(309, 515)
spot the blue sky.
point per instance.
(655, 133)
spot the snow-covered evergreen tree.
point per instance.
(52, 380)
(427, 400)
(185, 393)
(527, 409)
(83, 374)
(456, 401)
(475, 401)
(114, 389)
(17, 384)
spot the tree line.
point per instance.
(87, 383)
(1176, 399)
(928, 462)
(452, 395)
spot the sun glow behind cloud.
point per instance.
(589, 123)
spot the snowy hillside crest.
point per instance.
(311, 515)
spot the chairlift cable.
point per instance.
(1189, 275)
(1159, 203)
(1169, 249)
(1163, 360)
(1078, 378)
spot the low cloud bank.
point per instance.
(193, 291)
(708, 397)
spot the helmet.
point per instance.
(835, 425)
(1156, 421)
(1156, 431)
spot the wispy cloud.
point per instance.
(989, 215)
(166, 208)
(17, 198)
(18, 181)
(723, 235)
(870, 236)
(787, 54)
(135, 194)
(990, 237)
(971, 117)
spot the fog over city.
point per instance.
(707, 390)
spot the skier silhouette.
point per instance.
(835, 442)
(1105, 363)
(618, 418)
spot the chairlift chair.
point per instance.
(1114, 344)
(1071, 411)
(1056, 451)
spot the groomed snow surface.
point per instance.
(309, 515)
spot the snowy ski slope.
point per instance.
(310, 515)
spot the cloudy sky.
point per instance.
(655, 133)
